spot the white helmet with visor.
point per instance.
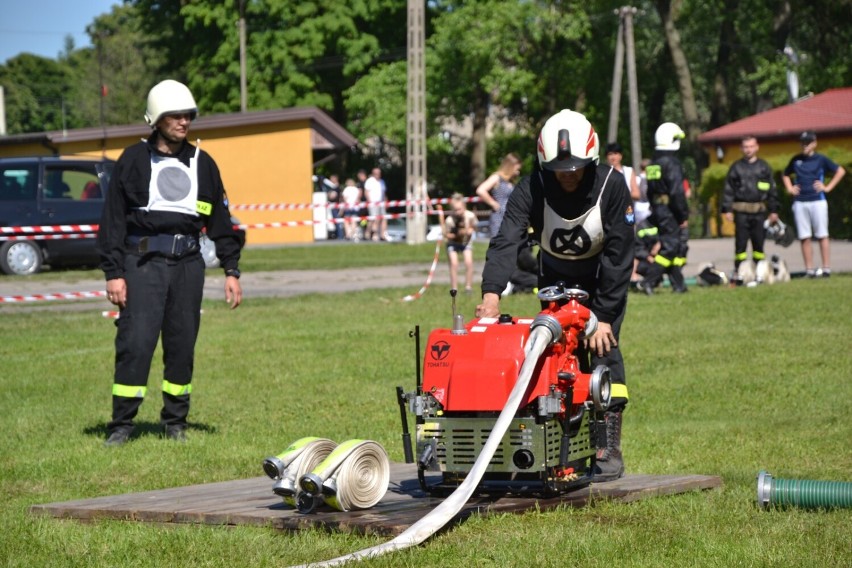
(567, 142)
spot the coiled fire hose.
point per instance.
(802, 492)
(299, 458)
(354, 476)
(540, 337)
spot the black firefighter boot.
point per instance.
(609, 464)
(677, 280)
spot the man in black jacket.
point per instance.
(748, 195)
(581, 214)
(162, 193)
(669, 210)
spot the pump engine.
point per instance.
(468, 372)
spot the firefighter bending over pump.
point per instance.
(581, 213)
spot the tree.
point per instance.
(36, 92)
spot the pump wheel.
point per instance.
(551, 294)
(576, 294)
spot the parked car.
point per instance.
(50, 191)
(44, 191)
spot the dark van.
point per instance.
(49, 191)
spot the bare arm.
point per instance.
(835, 179)
(483, 191)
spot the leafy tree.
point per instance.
(36, 92)
(501, 54)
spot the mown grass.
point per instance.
(723, 382)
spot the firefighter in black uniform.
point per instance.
(749, 194)
(162, 193)
(581, 214)
(669, 210)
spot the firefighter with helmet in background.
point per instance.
(162, 193)
(669, 210)
(581, 214)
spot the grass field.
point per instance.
(723, 381)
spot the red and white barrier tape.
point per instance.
(48, 297)
(360, 205)
(422, 290)
(55, 232)
(50, 229)
(337, 220)
(48, 237)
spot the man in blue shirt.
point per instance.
(810, 208)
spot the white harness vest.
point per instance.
(174, 186)
(574, 239)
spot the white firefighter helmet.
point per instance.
(778, 232)
(567, 142)
(167, 97)
(668, 136)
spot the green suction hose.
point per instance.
(802, 492)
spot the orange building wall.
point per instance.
(269, 164)
(259, 164)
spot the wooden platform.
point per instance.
(251, 502)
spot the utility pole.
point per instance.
(415, 145)
(103, 89)
(615, 100)
(242, 26)
(632, 88)
(625, 39)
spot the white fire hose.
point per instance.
(299, 458)
(540, 337)
(354, 476)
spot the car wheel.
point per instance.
(20, 257)
(208, 252)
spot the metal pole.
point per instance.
(2, 112)
(242, 26)
(632, 89)
(615, 100)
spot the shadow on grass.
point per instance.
(143, 429)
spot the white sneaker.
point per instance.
(508, 290)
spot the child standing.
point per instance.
(459, 228)
(351, 200)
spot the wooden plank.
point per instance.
(251, 502)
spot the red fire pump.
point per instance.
(469, 372)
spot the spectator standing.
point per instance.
(748, 196)
(614, 157)
(810, 207)
(375, 192)
(459, 228)
(363, 210)
(581, 214)
(332, 190)
(641, 207)
(497, 188)
(351, 196)
(162, 193)
(669, 209)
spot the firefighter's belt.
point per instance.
(746, 207)
(660, 200)
(173, 246)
